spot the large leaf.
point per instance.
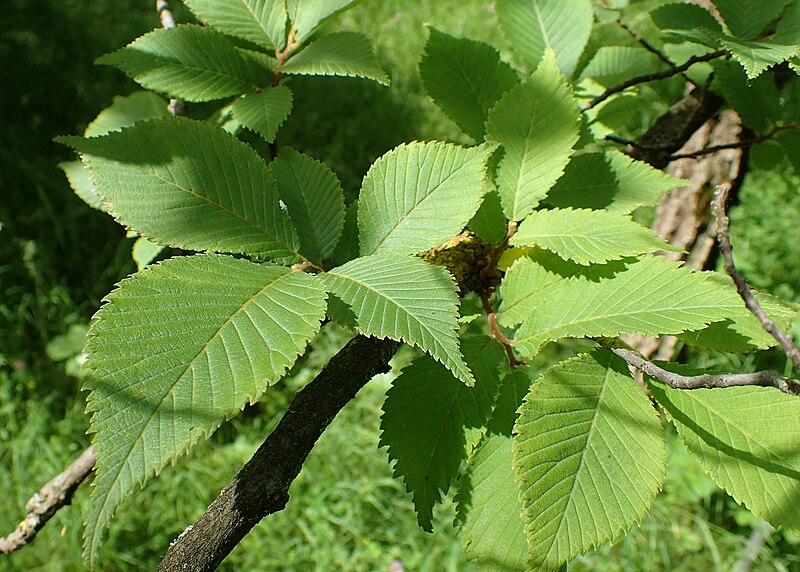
(190, 185)
(431, 420)
(746, 18)
(489, 510)
(465, 78)
(262, 22)
(746, 439)
(419, 195)
(590, 457)
(308, 15)
(587, 236)
(178, 348)
(406, 299)
(532, 26)
(343, 53)
(537, 124)
(264, 112)
(177, 62)
(315, 200)
(653, 296)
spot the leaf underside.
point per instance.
(341, 53)
(262, 22)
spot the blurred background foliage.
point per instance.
(58, 258)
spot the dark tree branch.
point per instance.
(51, 497)
(678, 381)
(726, 249)
(261, 487)
(742, 143)
(675, 70)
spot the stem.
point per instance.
(498, 334)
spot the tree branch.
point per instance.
(735, 145)
(261, 487)
(677, 381)
(726, 249)
(651, 77)
(51, 497)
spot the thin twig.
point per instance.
(498, 334)
(176, 107)
(735, 145)
(652, 77)
(649, 47)
(677, 381)
(51, 497)
(726, 249)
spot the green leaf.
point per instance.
(347, 248)
(126, 110)
(489, 512)
(489, 223)
(614, 64)
(308, 15)
(755, 57)
(590, 457)
(743, 438)
(177, 62)
(639, 183)
(537, 124)
(588, 182)
(683, 16)
(653, 296)
(420, 195)
(315, 200)
(406, 299)
(465, 78)
(264, 112)
(144, 252)
(430, 420)
(746, 18)
(788, 31)
(176, 349)
(523, 285)
(81, 183)
(191, 185)
(588, 236)
(262, 22)
(532, 26)
(756, 101)
(343, 53)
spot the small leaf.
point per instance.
(191, 185)
(589, 455)
(587, 236)
(639, 183)
(431, 420)
(420, 195)
(406, 299)
(532, 26)
(653, 296)
(746, 18)
(465, 78)
(126, 110)
(683, 16)
(315, 200)
(81, 183)
(745, 438)
(489, 223)
(342, 53)
(177, 62)
(537, 124)
(176, 349)
(144, 252)
(264, 112)
(613, 64)
(262, 22)
(308, 15)
(588, 182)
